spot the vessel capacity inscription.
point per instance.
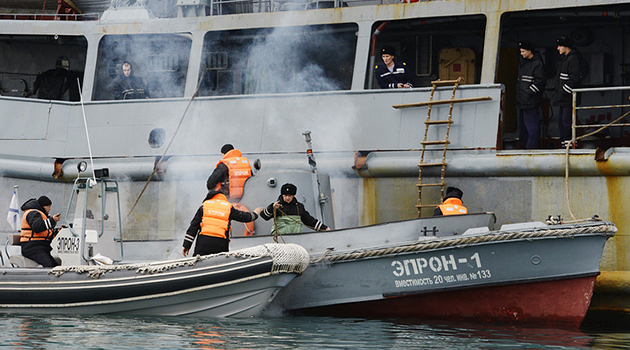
(438, 265)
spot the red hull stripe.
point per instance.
(551, 302)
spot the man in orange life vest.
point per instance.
(230, 173)
(38, 230)
(211, 224)
(452, 204)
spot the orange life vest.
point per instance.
(216, 216)
(27, 234)
(453, 206)
(239, 171)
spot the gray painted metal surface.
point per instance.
(472, 265)
(401, 232)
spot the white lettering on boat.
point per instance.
(68, 245)
(436, 267)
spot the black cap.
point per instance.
(527, 45)
(453, 192)
(565, 41)
(388, 50)
(226, 148)
(289, 189)
(44, 201)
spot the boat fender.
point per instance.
(249, 226)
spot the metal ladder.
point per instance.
(445, 142)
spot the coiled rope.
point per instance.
(606, 229)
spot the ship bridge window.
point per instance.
(432, 48)
(159, 64)
(42, 66)
(278, 60)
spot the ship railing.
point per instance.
(598, 127)
(49, 17)
(224, 7)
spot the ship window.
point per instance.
(278, 60)
(24, 57)
(160, 61)
(433, 48)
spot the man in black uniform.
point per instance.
(529, 91)
(53, 83)
(127, 86)
(392, 74)
(569, 77)
(289, 215)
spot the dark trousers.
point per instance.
(565, 120)
(39, 251)
(529, 128)
(211, 245)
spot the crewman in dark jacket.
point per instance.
(128, 86)
(38, 230)
(569, 77)
(392, 74)
(290, 215)
(529, 91)
(211, 225)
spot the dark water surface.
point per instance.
(111, 332)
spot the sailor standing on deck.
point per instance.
(38, 230)
(452, 204)
(529, 91)
(211, 225)
(230, 173)
(392, 74)
(290, 215)
(570, 73)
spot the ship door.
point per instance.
(457, 62)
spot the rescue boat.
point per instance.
(93, 277)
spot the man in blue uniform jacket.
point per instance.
(392, 74)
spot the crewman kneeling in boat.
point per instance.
(38, 230)
(290, 215)
(211, 224)
(452, 204)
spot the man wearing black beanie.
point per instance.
(38, 230)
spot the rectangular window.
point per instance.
(159, 64)
(279, 60)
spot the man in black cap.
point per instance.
(230, 173)
(392, 74)
(570, 73)
(38, 230)
(452, 204)
(290, 215)
(529, 90)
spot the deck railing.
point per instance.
(49, 17)
(599, 127)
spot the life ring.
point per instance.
(249, 226)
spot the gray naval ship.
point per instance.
(258, 74)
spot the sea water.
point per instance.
(115, 332)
